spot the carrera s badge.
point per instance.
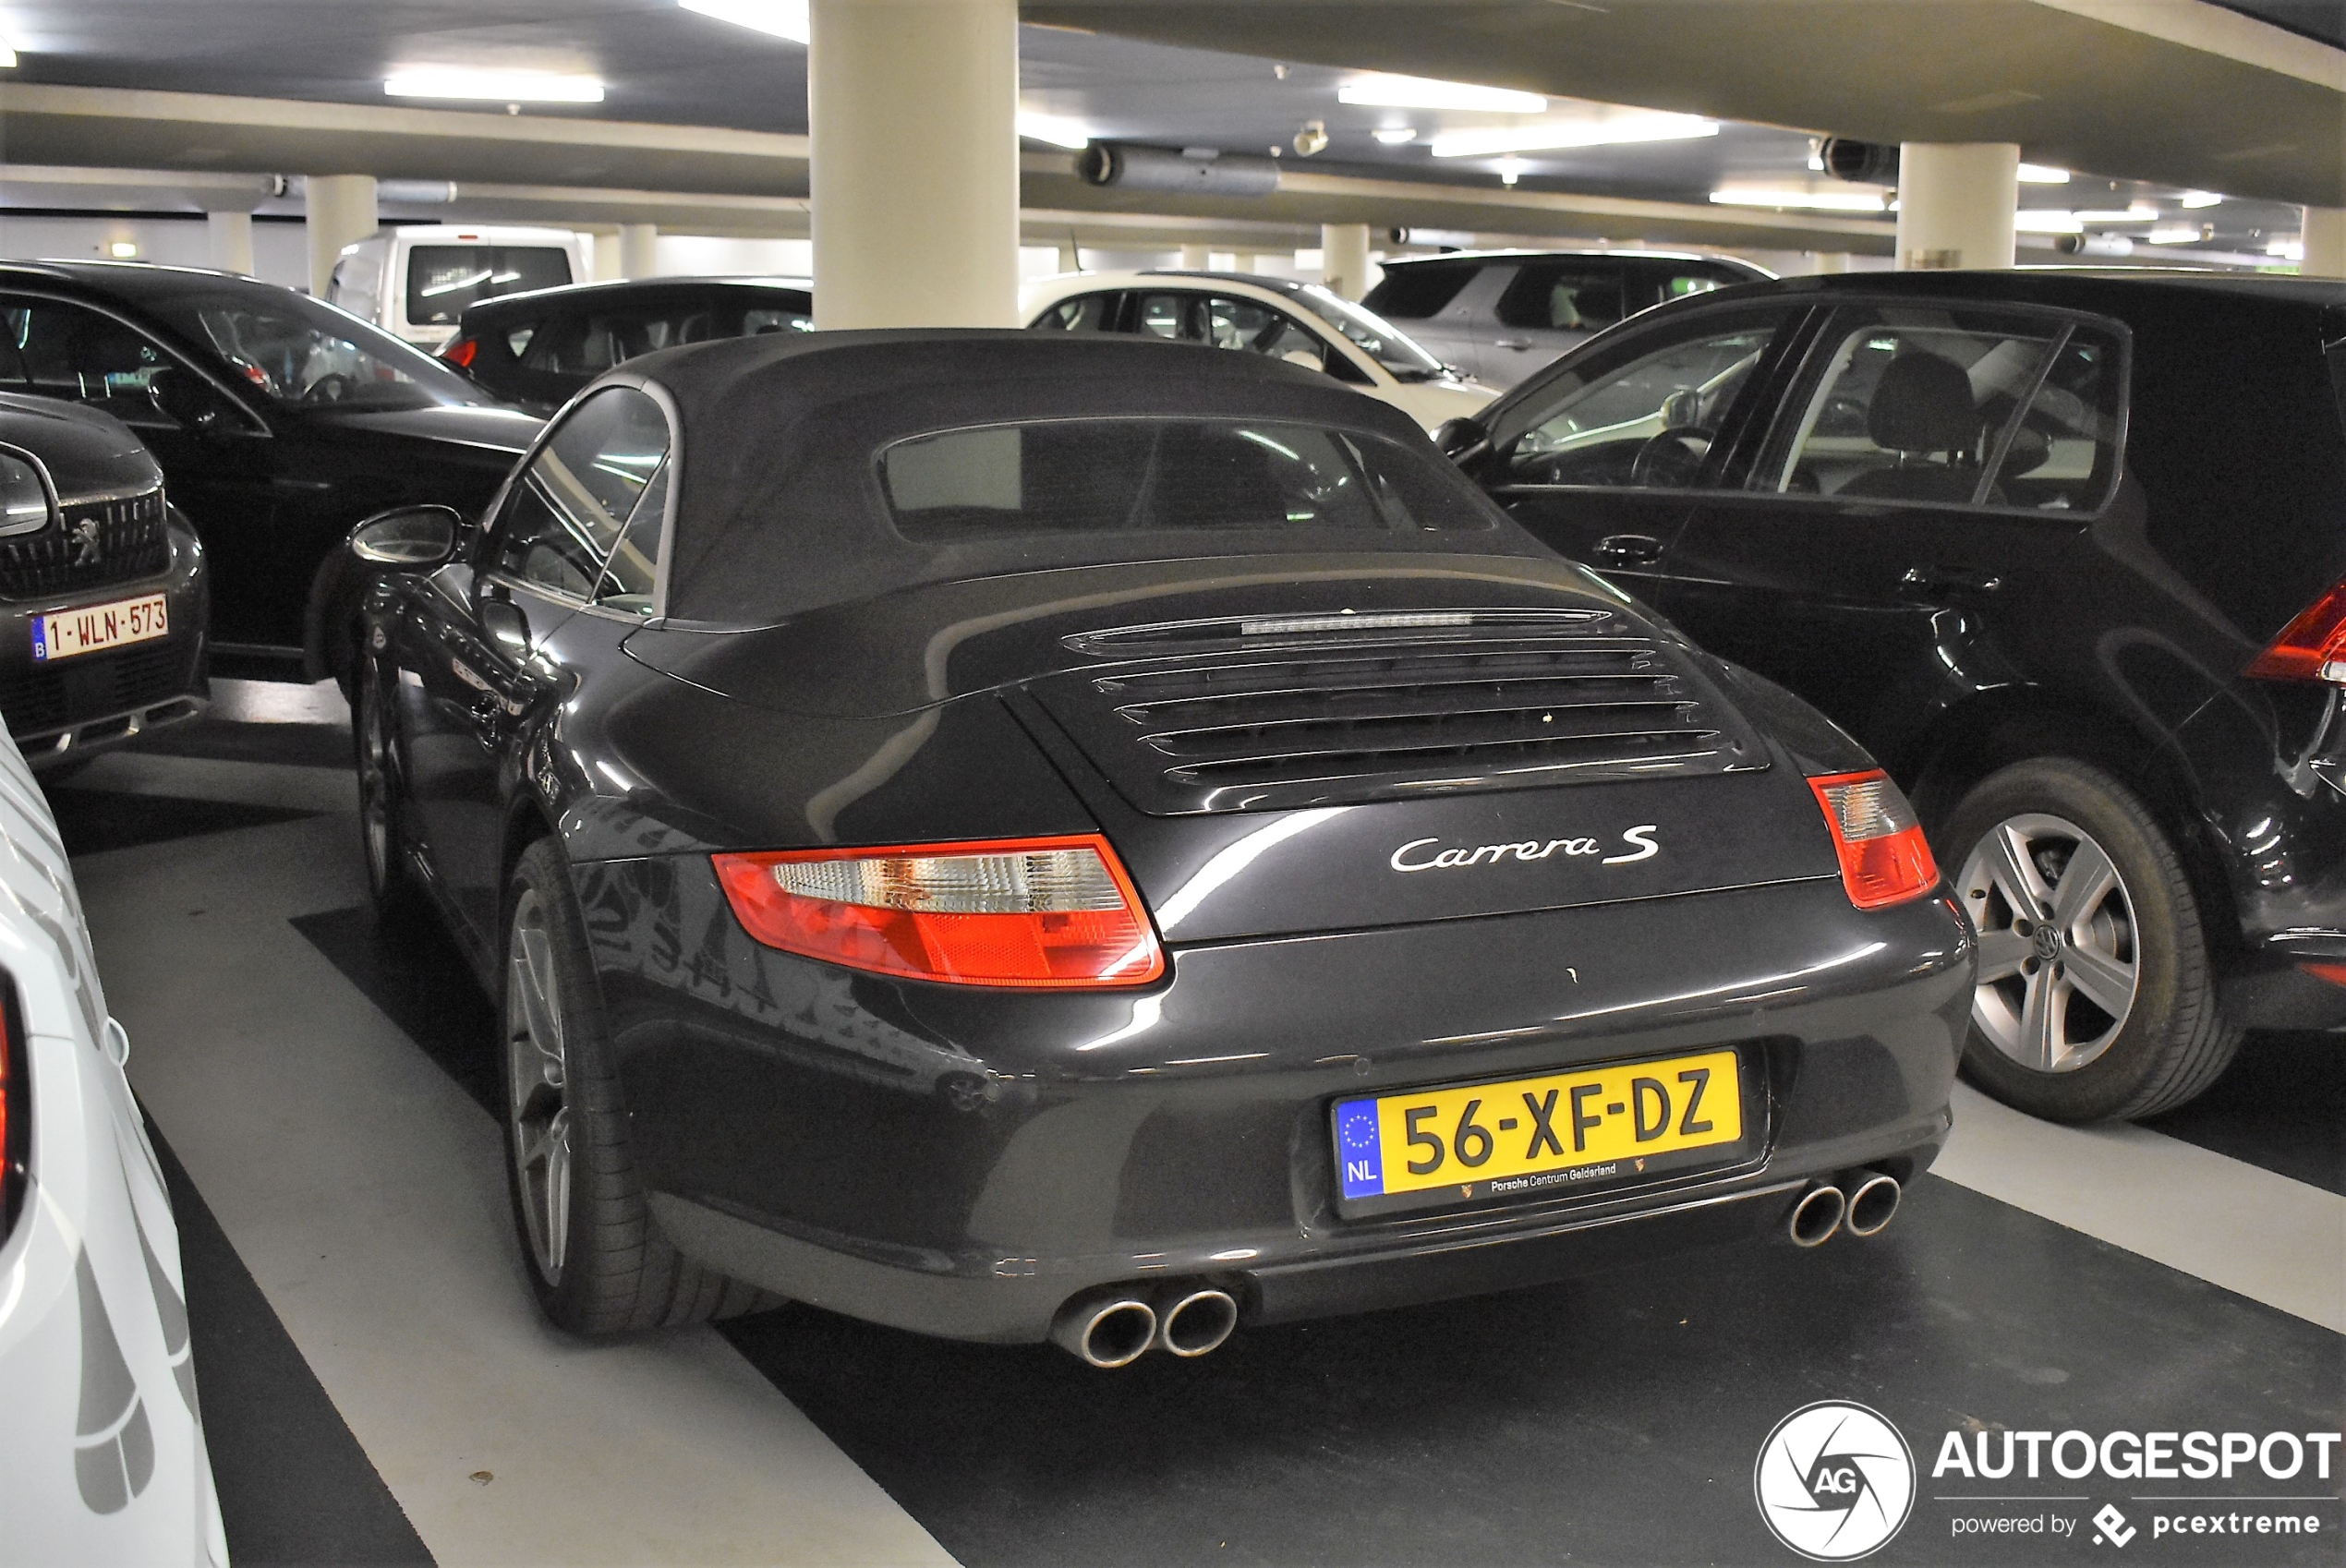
(1416, 855)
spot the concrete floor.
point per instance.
(379, 1388)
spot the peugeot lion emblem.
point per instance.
(87, 549)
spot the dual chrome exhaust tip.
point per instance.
(1863, 1203)
(1117, 1327)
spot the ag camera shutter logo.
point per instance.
(1835, 1481)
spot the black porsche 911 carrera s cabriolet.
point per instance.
(1015, 838)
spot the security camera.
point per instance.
(1312, 138)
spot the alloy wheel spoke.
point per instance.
(533, 968)
(2008, 864)
(2040, 1030)
(2001, 952)
(556, 1143)
(2108, 983)
(2085, 882)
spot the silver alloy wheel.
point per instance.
(2058, 959)
(536, 1074)
(374, 780)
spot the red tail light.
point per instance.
(461, 351)
(1884, 860)
(2312, 647)
(1034, 914)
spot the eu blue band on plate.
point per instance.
(1359, 1154)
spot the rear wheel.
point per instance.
(599, 1263)
(2095, 998)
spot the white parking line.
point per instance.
(367, 1196)
(2254, 1233)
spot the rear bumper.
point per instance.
(62, 710)
(962, 1163)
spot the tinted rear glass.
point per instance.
(1415, 290)
(1124, 477)
(443, 279)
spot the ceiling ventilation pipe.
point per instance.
(1121, 167)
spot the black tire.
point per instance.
(2173, 1040)
(391, 883)
(611, 1270)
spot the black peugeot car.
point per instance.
(1007, 836)
(2065, 551)
(104, 587)
(279, 422)
(536, 350)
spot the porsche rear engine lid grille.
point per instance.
(1397, 712)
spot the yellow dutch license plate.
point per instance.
(1538, 1135)
(96, 626)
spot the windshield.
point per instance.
(1380, 339)
(298, 351)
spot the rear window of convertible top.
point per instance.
(1063, 476)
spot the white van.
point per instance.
(416, 280)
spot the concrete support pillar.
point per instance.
(231, 241)
(606, 256)
(340, 209)
(638, 251)
(913, 113)
(1834, 262)
(1956, 204)
(1343, 258)
(1071, 257)
(1195, 258)
(2325, 243)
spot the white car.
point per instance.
(1301, 322)
(101, 1445)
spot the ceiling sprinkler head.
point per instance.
(1312, 138)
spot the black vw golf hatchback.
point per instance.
(2065, 551)
(1011, 835)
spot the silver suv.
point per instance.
(1500, 315)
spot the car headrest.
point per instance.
(1923, 404)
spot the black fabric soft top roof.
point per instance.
(780, 508)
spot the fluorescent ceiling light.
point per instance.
(2042, 173)
(1422, 93)
(1821, 200)
(2047, 220)
(2198, 199)
(7, 54)
(1394, 136)
(2137, 212)
(782, 18)
(1619, 129)
(2181, 234)
(1057, 129)
(501, 87)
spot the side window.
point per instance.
(1562, 299)
(1645, 415)
(1915, 403)
(631, 577)
(68, 350)
(580, 491)
(1416, 290)
(1248, 324)
(1164, 316)
(1084, 313)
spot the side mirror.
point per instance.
(506, 625)
(1462, 441)
(408, 538)
(24, 497)
(1682, 410)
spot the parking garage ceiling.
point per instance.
(700, 108)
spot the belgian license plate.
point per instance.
(96, 626)
(1537, 1137)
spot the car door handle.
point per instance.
(1511, 343)
(1628, 550)
(1952, 580)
